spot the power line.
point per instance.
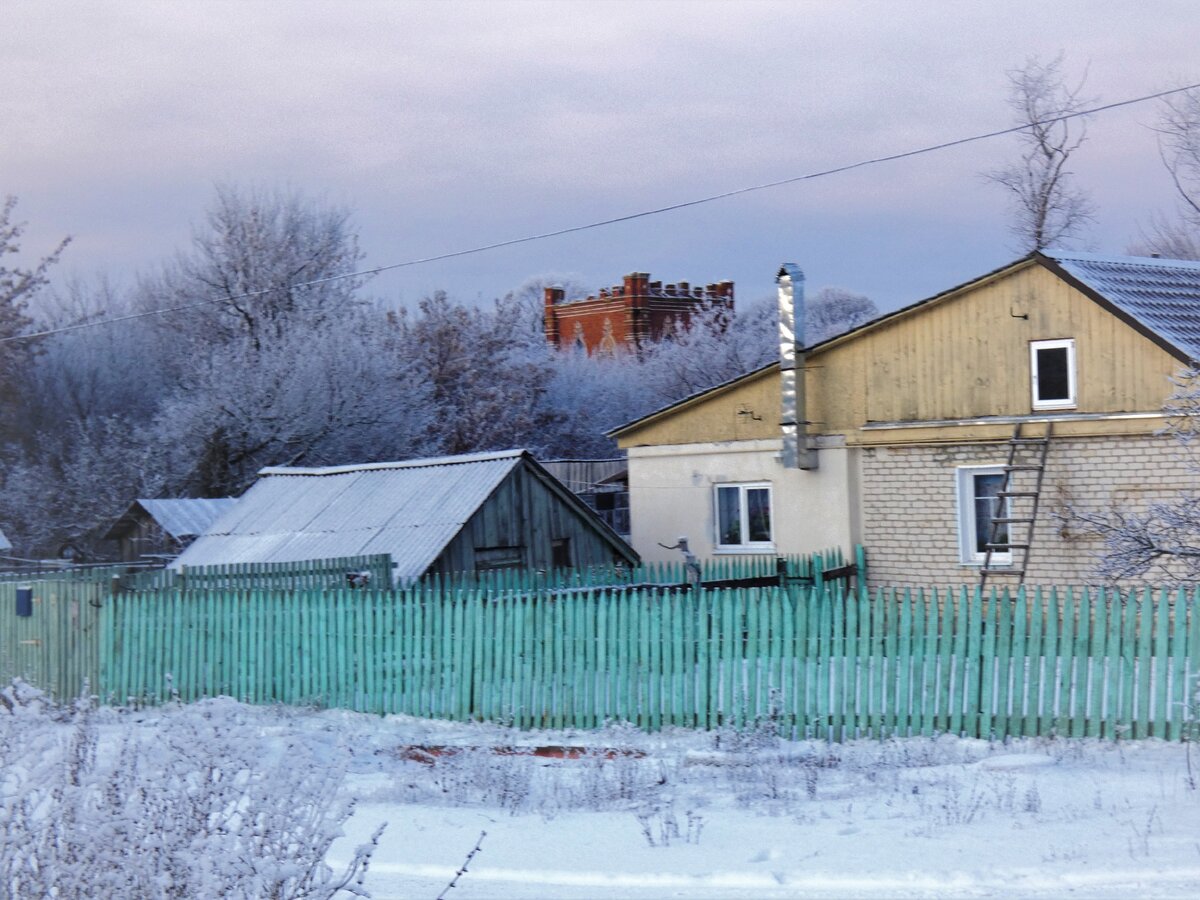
(836, 170)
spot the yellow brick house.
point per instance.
(906, 429)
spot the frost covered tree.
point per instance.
(587, 397)
(75, 449)
(17, 286)
(317, 393)
(833, 311)
(92, 372)
(1161, 539)
(1178, 237)
(262, 260)
(487, 371)
(530, 295)
(1048, 208)
(82, 476)
(712, 349)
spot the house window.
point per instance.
(744, 517)
(560, 552)
(977, 505)
(1053, 374)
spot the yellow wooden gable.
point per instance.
(952, 368)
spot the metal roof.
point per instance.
(411, 510)
(186, 517)
(1162, 295)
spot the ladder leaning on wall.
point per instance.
(1019, 497)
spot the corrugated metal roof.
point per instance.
(185, 517)
(411, 510)
(1163, 295)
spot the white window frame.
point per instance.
(967, 536)
(745, 546)
(1068, 402)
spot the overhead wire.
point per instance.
(659, 210)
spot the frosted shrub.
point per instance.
(199, 804)
(480, 776)
(520, 782)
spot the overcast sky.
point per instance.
(443, 126)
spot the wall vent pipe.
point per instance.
(794, 424)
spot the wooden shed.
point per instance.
(163, 526)
(445, 515)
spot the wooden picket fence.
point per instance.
(811, 663)
(92, 572)
(314, 574)
(57, 647)
(335, 573)
(795, 570)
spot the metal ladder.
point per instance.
(1025, 455)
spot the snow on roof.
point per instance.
(1163, 295)
(4, 542)
(410, 510)
(185, 517)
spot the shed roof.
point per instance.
(180, 517)
(410, 510)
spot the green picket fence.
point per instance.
(814, 662)
(100, 573)
(57, 647)
(314, 574)
(761, 571)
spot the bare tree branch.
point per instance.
(1048, 209)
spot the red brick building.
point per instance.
(627, 317)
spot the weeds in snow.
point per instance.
(198, 804)
(660, 826)
(462, 870)
(1139, 841)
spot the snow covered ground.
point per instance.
(723, 816)
(621, 814)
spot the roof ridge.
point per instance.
(423, 463)
(1150, 261)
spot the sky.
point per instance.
(447, 126)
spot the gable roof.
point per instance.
(410, 510)
(690, 400)
(1158, 297)
(181, 518)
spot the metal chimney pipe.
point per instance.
(794, 424)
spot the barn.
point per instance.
(445, 515)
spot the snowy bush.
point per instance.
(196, 802)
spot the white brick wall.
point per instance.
(910, 524)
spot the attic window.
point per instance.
(1053, 374)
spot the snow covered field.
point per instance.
(719, 816)
(621, 814)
